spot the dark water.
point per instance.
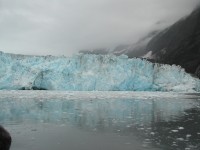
(102, 124)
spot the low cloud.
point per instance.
(62, 27)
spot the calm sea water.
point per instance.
(39, 120)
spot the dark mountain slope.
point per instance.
(179, 44)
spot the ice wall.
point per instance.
(92, 72)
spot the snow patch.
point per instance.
(148, 55)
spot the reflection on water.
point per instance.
(166, 124)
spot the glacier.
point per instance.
(86, 72)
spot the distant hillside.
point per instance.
(179, 44)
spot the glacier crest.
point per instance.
(92, 72)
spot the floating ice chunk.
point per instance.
(181, 128)
(180, 139)
(188, 135)
(175, 131)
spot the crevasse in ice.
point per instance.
(92, 72)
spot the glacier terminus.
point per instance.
(86, 72)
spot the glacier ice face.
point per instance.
(92, 72)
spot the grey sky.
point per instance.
(62, 27)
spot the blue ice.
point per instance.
(85, 72)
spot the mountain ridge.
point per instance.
(179, 44)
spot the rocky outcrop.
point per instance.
(197, 72)
(5, 139)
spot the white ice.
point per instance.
(92, 73)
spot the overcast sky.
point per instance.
(62, 27)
